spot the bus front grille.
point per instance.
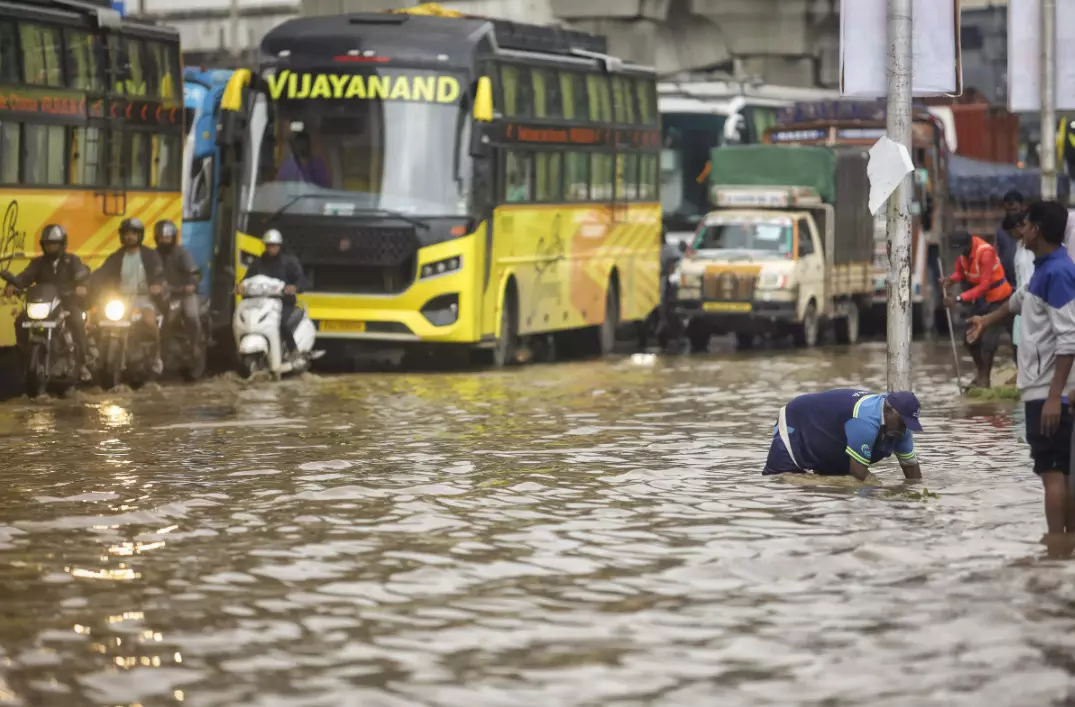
(352, 258)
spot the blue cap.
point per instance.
(908, 407)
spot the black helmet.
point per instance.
(165, 229)
(132, 224)
(54, 233)
(960, 240)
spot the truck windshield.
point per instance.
(772, 237)
(332, 156)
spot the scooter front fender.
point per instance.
(253, 344)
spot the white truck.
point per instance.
(787, 250)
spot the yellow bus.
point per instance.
(91, 129)
(451, 181)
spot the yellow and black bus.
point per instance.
(91, 128)
(451, 181)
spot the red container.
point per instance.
(986, 132)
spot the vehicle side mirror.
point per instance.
(479, 141)
(683, 246)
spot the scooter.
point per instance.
(257, 330)
(51, 361)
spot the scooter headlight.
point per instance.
(38, 310)
(114, 310)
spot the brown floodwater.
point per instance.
(574, 534)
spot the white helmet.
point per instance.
(272, 237)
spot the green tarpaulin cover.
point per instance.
(776, 166)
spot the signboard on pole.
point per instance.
(937, 67)
(1024, 56)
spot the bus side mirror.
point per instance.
(683, 246)
(483, 101)
(479, 142)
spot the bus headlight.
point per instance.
(442, 267)
(38, 310)
(114, 310)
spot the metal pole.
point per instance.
(233, 26)
(1048, 99)
(899, 205)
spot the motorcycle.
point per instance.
(257, 330)
(179, 351)
(124, 349)
(51, 362)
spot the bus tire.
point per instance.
(611, 324)
(506, 351)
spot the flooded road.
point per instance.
(577, 534)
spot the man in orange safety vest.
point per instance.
(987, 289)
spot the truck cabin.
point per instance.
(762, 223)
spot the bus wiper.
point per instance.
(417, 223)
(276, 214)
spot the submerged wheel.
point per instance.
(249, 364)
(610, 325)
(847, 329)
(699, 337)
(807, 330)
(744, 340)
(37, 375)
(112, 364)
(506, 352)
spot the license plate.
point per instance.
(727, 306)
(39, 325)
(123, 323)
(343, 326)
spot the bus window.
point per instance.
(134, 53)
(161, 70)
(170, 79)
(115, 160)
(166, 165)
(548, 176)
(573, 95)
(139, 153)
(9, 153)
(577, 176)
(622, 101)
(517, 177)
(515, 85)
(600, 101)
(630, 177)
(601, 168)
(540, 104)
(647, 110)
(82, 163)
(83, 68)
(40, 55)
(45, 154)
(647, 177)
(9, 53)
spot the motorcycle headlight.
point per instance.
(38, 310)
(114, 310)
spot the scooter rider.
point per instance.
(135, 270)
(70, 276)
(282, 266)
(181, 273)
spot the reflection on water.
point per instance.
(571, 534)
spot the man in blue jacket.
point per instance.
(1046, 356)
(845, 431)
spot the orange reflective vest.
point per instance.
(984, 273)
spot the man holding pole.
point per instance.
(979, 267)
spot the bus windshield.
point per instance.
(687, 142)
(327, 156)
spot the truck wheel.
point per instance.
(699, 337)
(847, 328)
(744, 341)
(806, 332)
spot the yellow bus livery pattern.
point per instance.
(560, 259)
(92, 234)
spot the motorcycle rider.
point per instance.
(182, 275)
(282, 266)
(68, 273)
(135, 270)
